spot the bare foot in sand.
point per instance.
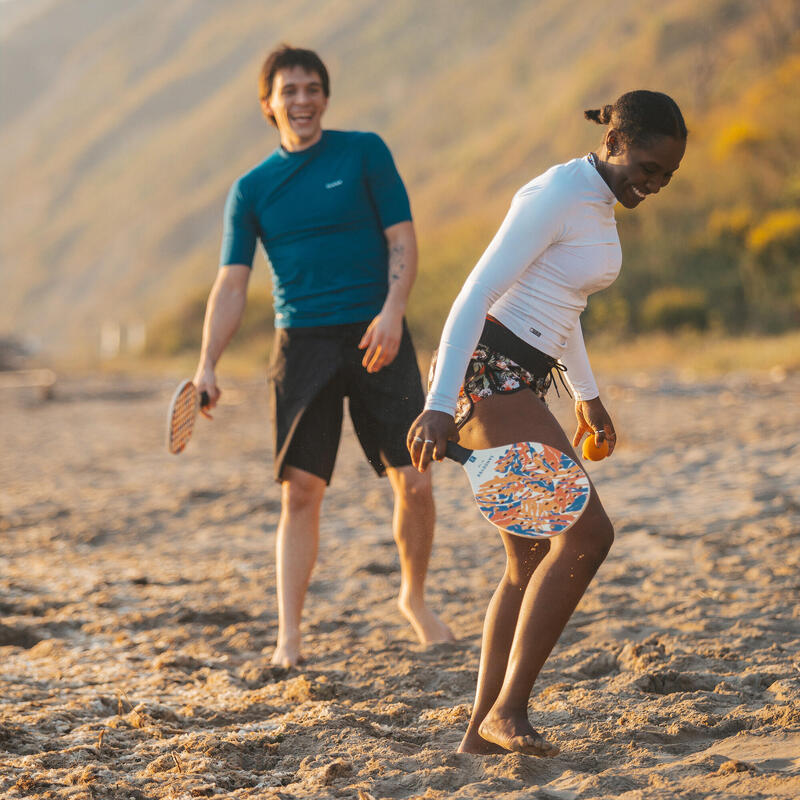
(287, 653)
(516, 734)
(426, 624)
(476, 745)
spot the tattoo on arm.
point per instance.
(396, 263)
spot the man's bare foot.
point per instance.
(516, 734)
(287, 653)
(426, 624)
(476, 745)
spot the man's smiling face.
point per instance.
(296, 104)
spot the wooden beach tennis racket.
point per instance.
(526, 488)
(182, 414)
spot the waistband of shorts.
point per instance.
(343, 329)
(497, 337)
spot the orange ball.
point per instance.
(591, 452)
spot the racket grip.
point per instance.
(204, 399)
(457, 453)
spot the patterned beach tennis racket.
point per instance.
(525, 488)
(182, 414)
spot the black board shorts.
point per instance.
(312, 370)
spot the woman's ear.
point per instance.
(614, 146)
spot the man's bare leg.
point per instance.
(296, 553)
(414, 519)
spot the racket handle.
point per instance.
(204, 399)
(457, 452)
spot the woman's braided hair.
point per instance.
(641, 115)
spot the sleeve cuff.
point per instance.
(438, 405)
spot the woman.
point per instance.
(514, 320)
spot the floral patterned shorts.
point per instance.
(488, 373)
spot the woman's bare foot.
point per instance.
(514, 732)
(287, 653)
(426, 624)
(476, 745)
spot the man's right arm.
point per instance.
(223, 315)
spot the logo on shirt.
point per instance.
(535, 332)
(334, 184)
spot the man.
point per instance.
(333, 216)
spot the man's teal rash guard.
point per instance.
(320, 214)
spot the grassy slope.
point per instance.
(127, 122)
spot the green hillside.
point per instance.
(122, 125)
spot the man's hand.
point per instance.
(594, 420)
(206, 381)
(381, 340)
(428, 436)
(223, 315)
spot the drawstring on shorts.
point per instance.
(559, 369)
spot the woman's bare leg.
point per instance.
(557, 581)
(550, 598)
(522, 558)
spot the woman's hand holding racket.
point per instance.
(594, 420)
(428, 437)
(524, 488)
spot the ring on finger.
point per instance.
(428, 441)
(418, 439)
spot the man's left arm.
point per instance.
(381, 340)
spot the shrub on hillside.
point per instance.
(779, 230)
(607, 313)
(770, 274)
(180, 330)
(674, 307)
(734, 222)
(739, 136)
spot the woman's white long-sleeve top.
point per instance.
(557, 245)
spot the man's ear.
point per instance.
(266, 109)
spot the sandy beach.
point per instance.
(138, 611)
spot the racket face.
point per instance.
(182, 414)
(528, 488)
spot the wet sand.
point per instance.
(138, 612)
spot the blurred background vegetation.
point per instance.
(122, 125)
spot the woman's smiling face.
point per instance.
(634, 171)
